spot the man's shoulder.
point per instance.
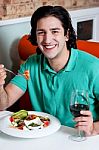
(34, 58)
(87, 56)
(87, 61)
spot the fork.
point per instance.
(13, 72)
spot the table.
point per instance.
(56, 141)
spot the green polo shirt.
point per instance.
(50, 91)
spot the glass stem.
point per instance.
(79, 133)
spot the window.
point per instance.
(85, 30)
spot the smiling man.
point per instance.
(55, 71)
(52, 41)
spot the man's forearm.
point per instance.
(3, 98)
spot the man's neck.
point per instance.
(59, 63)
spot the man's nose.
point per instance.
(48, 38)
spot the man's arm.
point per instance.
(9, 95)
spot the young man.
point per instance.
(56, 70)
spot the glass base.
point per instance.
(77, 138)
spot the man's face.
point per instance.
(50, 37)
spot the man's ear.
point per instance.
(67, 36)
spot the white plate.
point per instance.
(53, 127)
(4, 113)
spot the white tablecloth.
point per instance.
(57, 141)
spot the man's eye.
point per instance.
(40, 33)
(55, 31)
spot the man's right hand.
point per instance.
(2, 75)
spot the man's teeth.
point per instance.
(50, 46)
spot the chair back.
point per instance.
(25, 48)
(89, 46)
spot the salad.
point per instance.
(24, 121)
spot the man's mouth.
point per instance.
(49, 46)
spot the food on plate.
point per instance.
(24, 121)
(26, 74)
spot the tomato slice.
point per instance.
(11, 119)
(46, 123)
(21, 127)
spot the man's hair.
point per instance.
(60, 13)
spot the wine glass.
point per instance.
(79, 101)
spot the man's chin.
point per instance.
(49, 56)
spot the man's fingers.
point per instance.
(87, 112)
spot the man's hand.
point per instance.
(2, 75)
(85, 122)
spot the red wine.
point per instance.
(76, 108)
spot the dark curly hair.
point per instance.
(60, 13)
